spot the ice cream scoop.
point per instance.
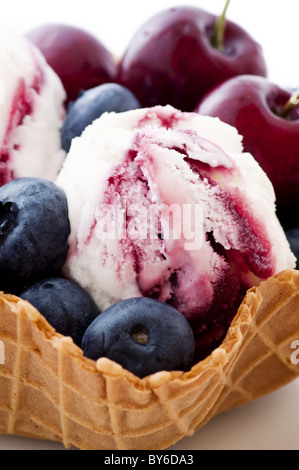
(31, 112)
(165, 204)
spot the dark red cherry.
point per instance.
(269, 123)
(181, 53)
(79, 59)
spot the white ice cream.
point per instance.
(161, 138)
(31, 111)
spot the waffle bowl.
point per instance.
(50, 391)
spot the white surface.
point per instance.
(270, 423)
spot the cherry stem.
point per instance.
(290, 104)
(219, 30)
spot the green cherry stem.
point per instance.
(290, 104)
(219, 30)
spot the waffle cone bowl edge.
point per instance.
(50, 391)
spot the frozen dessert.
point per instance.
(165, 204)
(31, 112)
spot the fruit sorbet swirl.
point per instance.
(22, 105)
(164, 204)
(31, 112)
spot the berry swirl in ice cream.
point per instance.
(31, 112)
(165, 204)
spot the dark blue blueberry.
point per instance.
(34, 231)
(65, 305)
(143, 335)
(293, 239)
(91, 104)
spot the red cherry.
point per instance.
(269, 123)
(79, 59)
(181, 53)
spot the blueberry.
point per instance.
(91, 104)
(34, 230)
(292, 235)
(143, 335)
(64, 304)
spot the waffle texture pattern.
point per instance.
(49, 390)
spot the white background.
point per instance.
(271, 422)
(274, 24)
